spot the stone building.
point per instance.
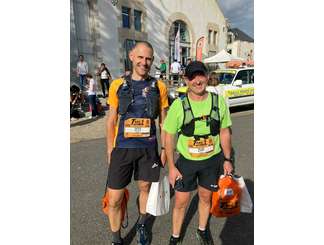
(105, 30)
(240, 44)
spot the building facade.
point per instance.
(105, 31)
(240, 44)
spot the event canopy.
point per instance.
(221, 57)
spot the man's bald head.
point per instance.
(144, 43)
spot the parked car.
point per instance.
(236, 85)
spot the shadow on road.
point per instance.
(242, 108)
(239, 230)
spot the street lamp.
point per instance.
(114, 2)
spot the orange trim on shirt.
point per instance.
(113, 97)
(163, 95)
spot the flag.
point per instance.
(177, 46)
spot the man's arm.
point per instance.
(77, 69)
(110, 129)
(86, 67)
(169, 149)
(225, 140)
(162, 135)
(109, 75)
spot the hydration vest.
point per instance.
(126, 97)
(212, 120)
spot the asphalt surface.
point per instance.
(89, 226)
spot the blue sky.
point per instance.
(240, 14)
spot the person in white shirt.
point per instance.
(92, 95)
(82, 70)
(104, 79)
(175, 70)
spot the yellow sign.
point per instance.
(226, 71)
(239, 92)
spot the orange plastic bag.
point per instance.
(105, 205)
(226, 201)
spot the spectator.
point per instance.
(104, 79)
(162, 69)
(175, 70)
(92, 88)
(82, 70)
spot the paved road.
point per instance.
(88, 176)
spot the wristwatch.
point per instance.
(228, 159)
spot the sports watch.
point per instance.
(228, 159)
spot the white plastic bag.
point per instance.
(245, 200)
(158, 202)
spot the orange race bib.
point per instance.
(137, 127)
(201, 148)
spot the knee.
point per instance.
(205, 198)
(180, 203)
(114, 203)
(145, 187)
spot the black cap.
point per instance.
(195, 67)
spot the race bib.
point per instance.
(137, 127)
(201, 148)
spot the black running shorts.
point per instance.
(206, 171)
(144, 162)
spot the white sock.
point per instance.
(201, 229)
(175, 236)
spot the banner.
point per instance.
(199, 49)
(177, 46)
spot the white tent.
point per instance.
(221, 57)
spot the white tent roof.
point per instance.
(221, 57)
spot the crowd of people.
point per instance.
(86, 91)
(199, 123)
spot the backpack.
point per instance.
(105, 206)
(226, 201)
(212, 120)
(126, 97)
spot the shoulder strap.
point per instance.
(188, 115)
(214, 110)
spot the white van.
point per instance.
(236, 85)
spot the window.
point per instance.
(226, 78)
(125, 15)
(138, 20)
(128, 45)
(215, 37)
(209, 36)
(251, 76)
(243, 75)
(229, 38)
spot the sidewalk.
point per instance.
(87, 129)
